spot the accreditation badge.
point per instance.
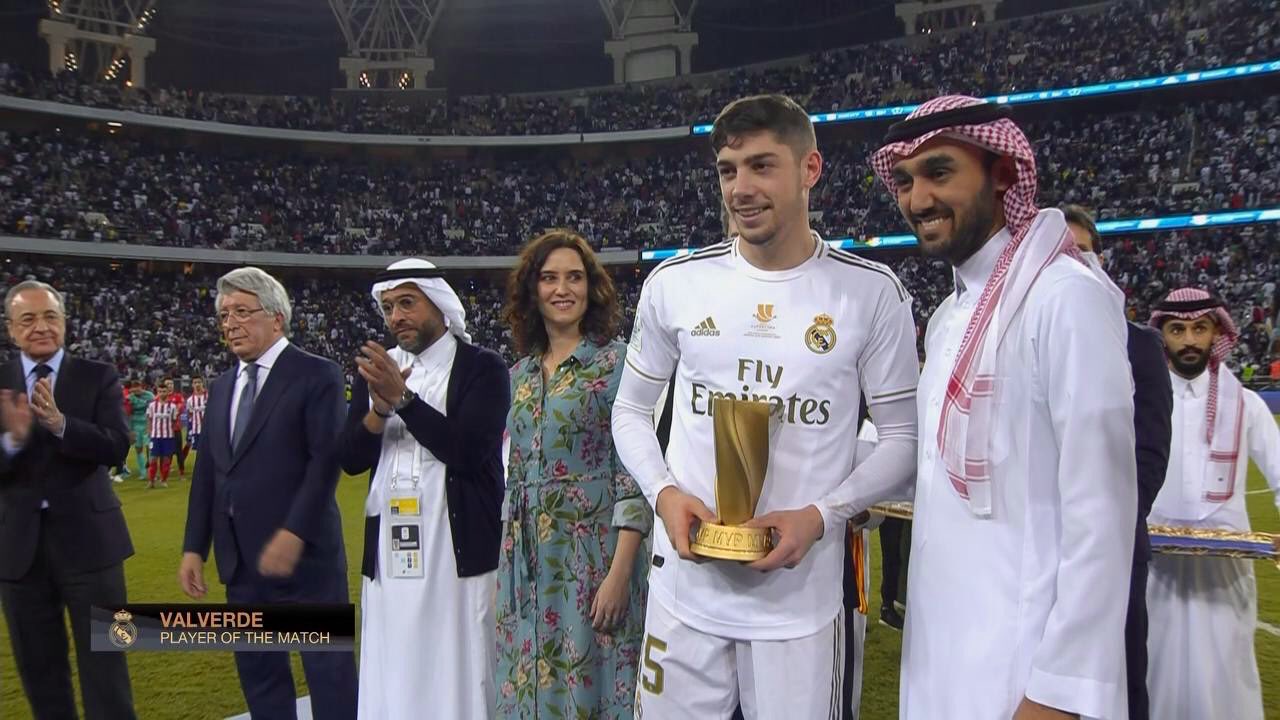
(404, 512)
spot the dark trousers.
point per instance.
(1135, 642)
(895, 547)
(34, 608)
(851, 645)
(265, 677)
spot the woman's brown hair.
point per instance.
(600, 323)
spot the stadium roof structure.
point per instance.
(248, 25)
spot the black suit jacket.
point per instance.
(282, 476)
(467, 439)
(1152, 423)
(85, 527)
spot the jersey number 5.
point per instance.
(652, 685)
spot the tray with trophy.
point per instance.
(1174, 540)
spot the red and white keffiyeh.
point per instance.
(1039, 237)
(1224, 407)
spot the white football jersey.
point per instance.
(811, 341)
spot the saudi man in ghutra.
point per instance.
(1206, 608)
(1026, 487)
(426, 419)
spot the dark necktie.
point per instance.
(245, 409)
(42, 371)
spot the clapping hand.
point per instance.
(46, 408)
(16, 416)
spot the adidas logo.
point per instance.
(706, 328)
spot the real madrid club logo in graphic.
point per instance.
(821, 336)
(123, 632)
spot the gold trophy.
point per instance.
(742, 457)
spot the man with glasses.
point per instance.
(262, 492)
(63, 538)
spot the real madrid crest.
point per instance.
(123, 632)
(821, 336)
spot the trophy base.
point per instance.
(731, 542)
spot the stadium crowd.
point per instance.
(1126, 39)
(152, 323)
(1187, 158)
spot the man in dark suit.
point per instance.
(263, 491)
(1153, 430)
(63, 539)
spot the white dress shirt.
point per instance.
(264, 363)
(1030, 601)
(1181, 498)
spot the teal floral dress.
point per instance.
(567, 496)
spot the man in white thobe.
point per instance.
(1206, 608)
(427, 419)
(1026, 490)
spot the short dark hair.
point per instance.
(1077, 215)
(603, 316)
(778, 114)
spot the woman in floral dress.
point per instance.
(571, 574)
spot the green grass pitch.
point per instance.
(203, 685)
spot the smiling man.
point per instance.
(262, 492)
(1026, 489)
(63, 538)
(1206, 608)
(772, 314)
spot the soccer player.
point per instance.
(139, 400)
(170, 392)
(161, 415)
(121, 471)
(773, 315)
(195, 416)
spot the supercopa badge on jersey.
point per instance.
(821, 336)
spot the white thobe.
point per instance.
(1202, 662)
(427, 644)
(868, 436)
(1030, 601)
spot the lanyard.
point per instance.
(415, 471)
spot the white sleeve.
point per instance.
(1083, 372)
(11, 446)
(1264, 440)
(885, 474)
(869, 433)
(889, 369)
(651, 358)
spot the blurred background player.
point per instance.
(162, 414)
(121, 471)
(195, 418)
(139, 399)
(169, 391)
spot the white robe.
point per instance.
(1204, 610)
(1032, 600)
(427, 644)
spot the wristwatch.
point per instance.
(408, 397)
